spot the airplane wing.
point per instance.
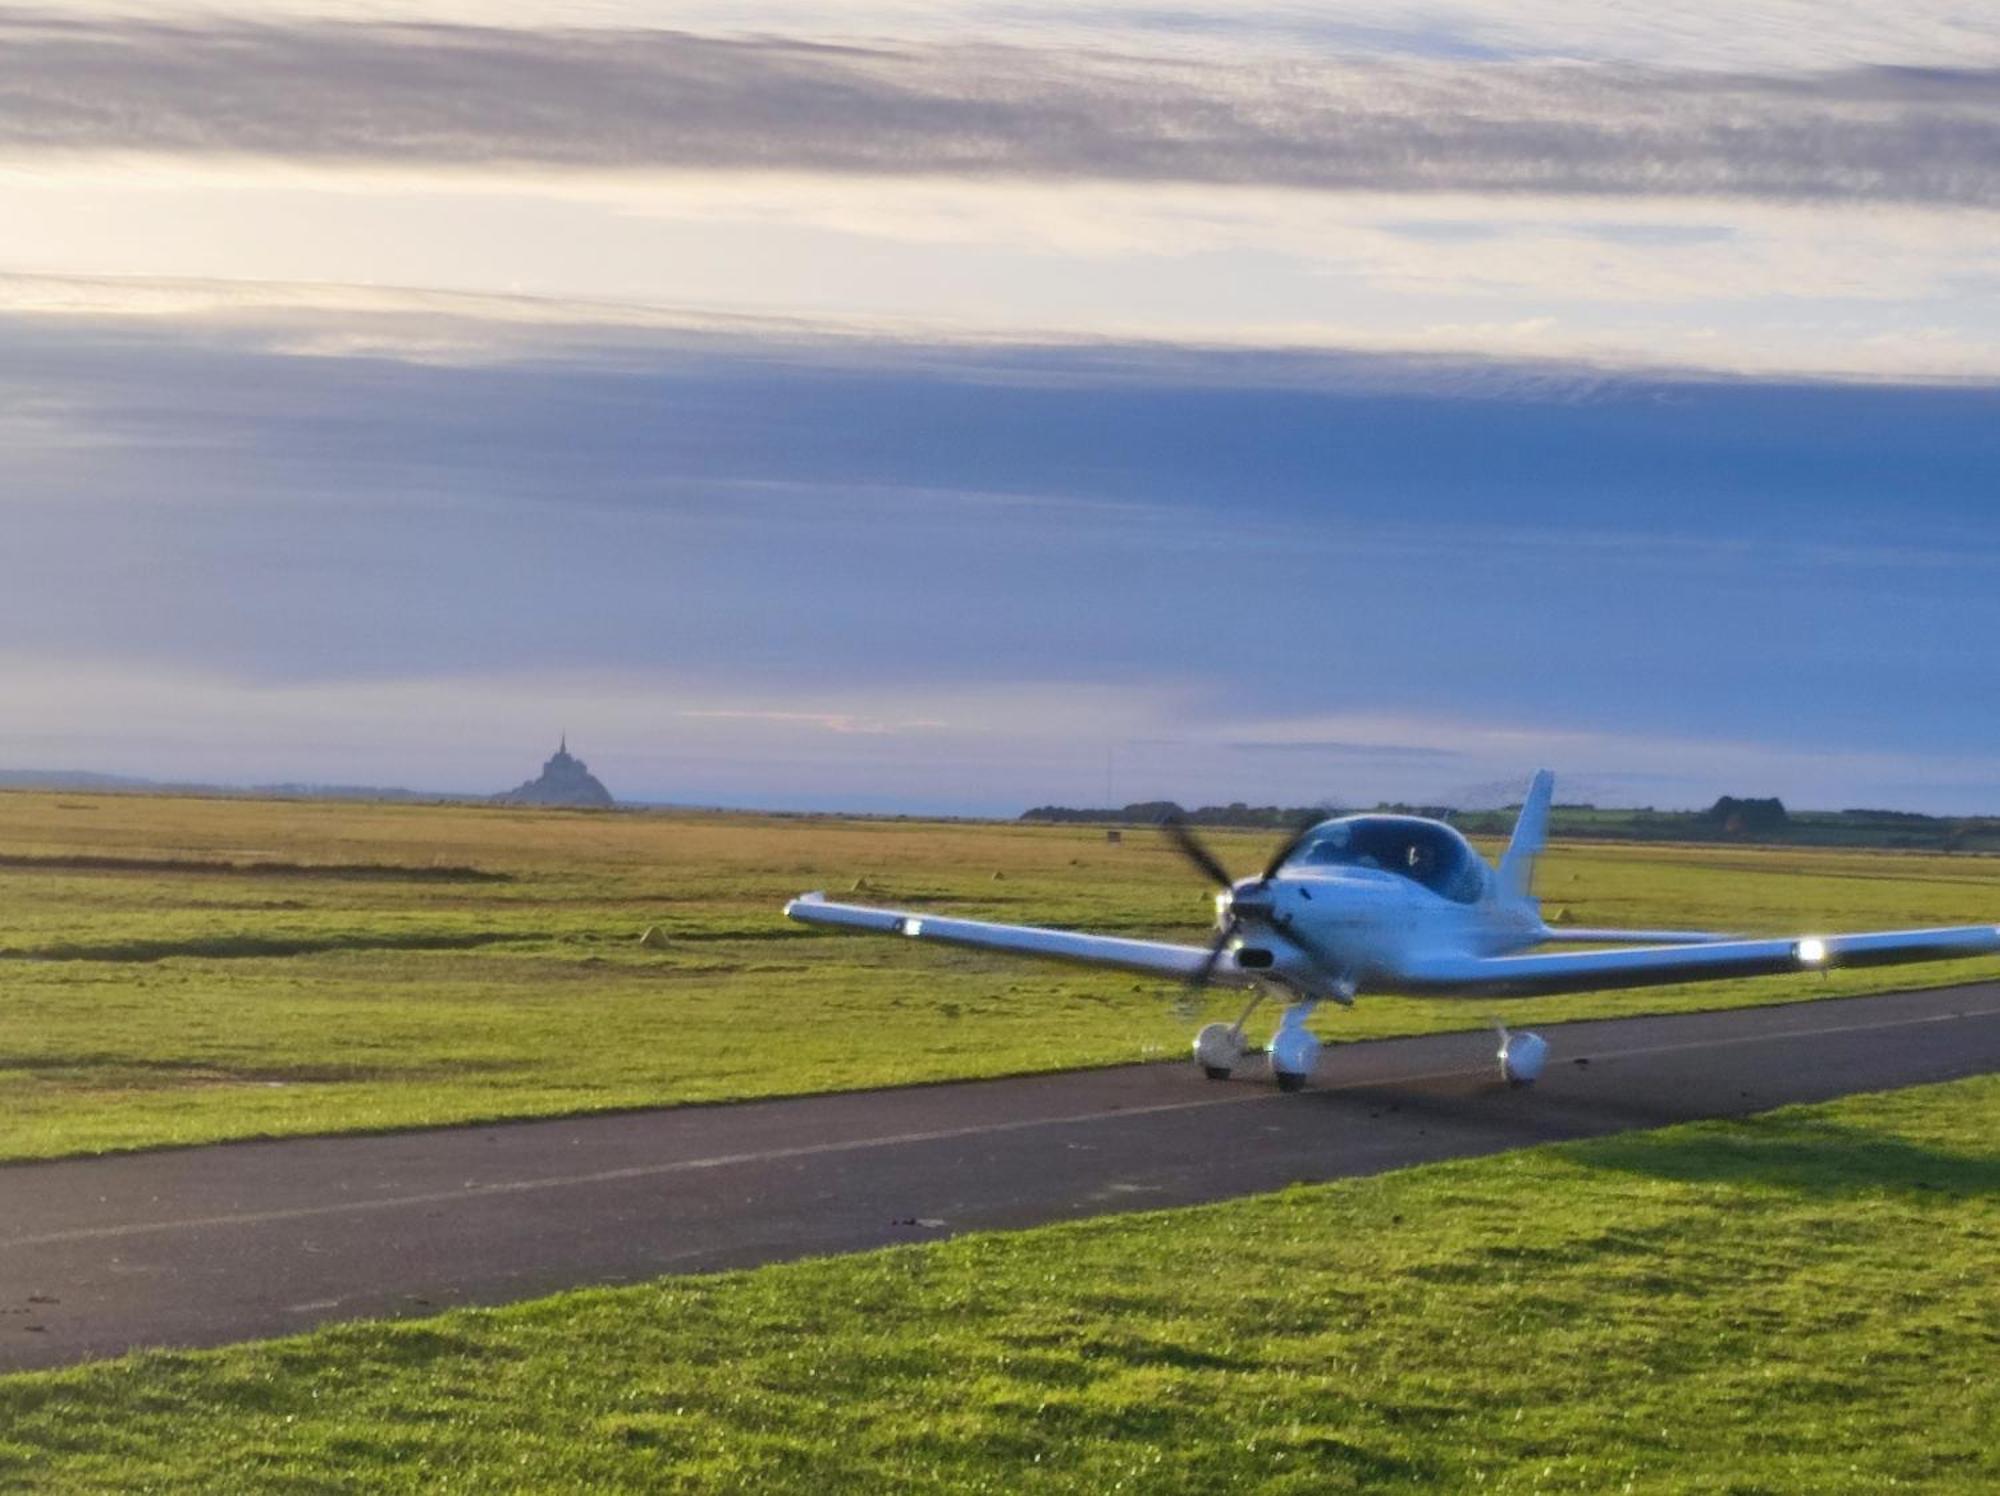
(1150, 957)
(1593, 971)
(1588, 935)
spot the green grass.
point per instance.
(1797, 1302)
(179, 970)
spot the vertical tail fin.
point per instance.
(1531, 834)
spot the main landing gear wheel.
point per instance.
(1289, 1080)
(1522, 1057)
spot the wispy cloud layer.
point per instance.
(485, 98)
(912, 404)
(1866, 337)
(1771, 35)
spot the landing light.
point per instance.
(1811, 951)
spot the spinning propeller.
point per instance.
(1249, 900)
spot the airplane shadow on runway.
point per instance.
(1515, 1117)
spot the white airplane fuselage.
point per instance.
(1368, 925)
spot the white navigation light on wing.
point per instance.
(913, 927)
(1811, 951)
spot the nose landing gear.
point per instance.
(1294, 1049)
(1219, 1049)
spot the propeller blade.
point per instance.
(1190, 999)
(1284, 853)
(1314, 951)
(1206, 974)
(1192, 849)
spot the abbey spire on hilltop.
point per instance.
(565, 780)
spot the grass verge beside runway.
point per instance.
(1801, 1301)
(179, 971)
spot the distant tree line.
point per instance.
(1732, 818)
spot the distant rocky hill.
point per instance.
(564, 780)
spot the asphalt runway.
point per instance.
(202, 1246)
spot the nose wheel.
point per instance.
(1219, 1049)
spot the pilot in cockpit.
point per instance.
(1337, 847)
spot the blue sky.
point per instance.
(943, 412)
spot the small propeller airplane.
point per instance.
(1400, 904)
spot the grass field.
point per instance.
(1796, 1302)
(184, 970)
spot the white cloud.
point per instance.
(1775, 35)
(486, 98)
(1882, 337)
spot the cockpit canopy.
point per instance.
(1425, 852)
